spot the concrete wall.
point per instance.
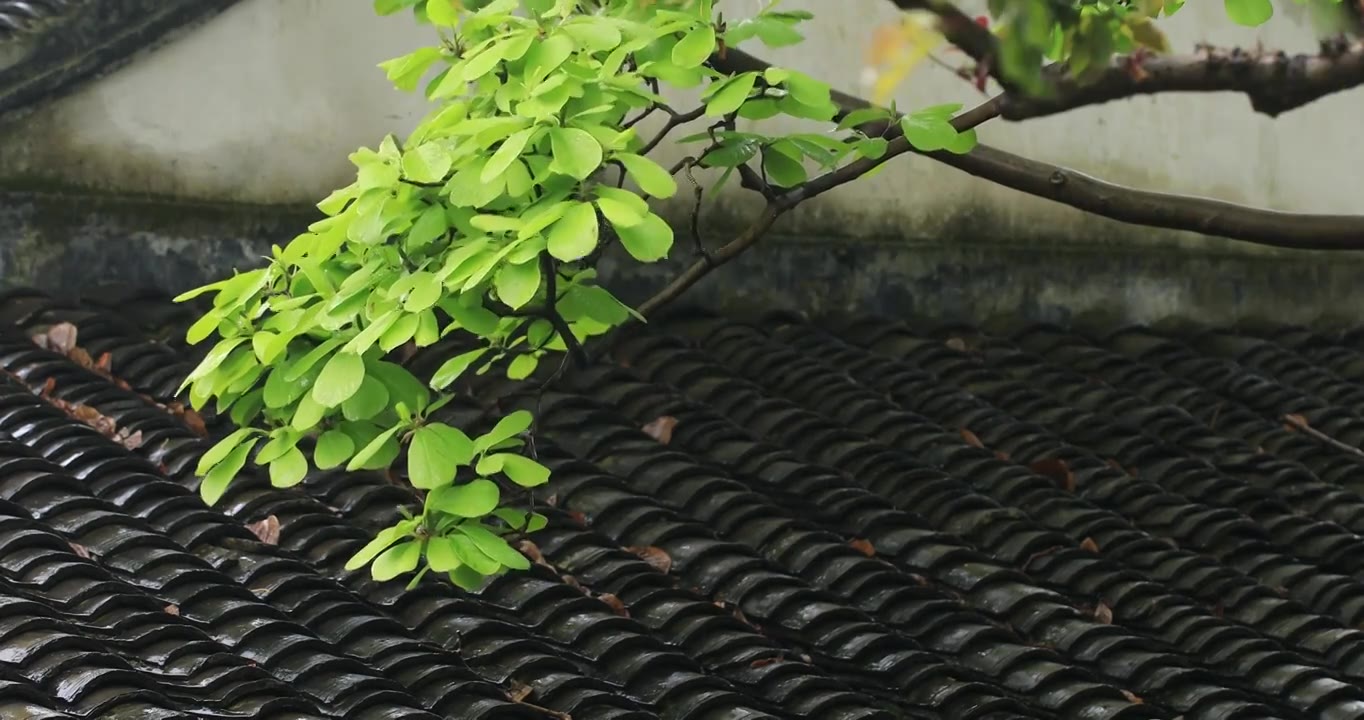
(262, 105)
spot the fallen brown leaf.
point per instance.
(105, 363)
(132, 441)
(1057, 470)
(80, 550)
(863, 546)
(1133, 698)
(1294, 421)
(1103, 614)
(62, 337)
(957, 344)
(82, 358)
(172, 609)
(195, 422)
(763, 662)
(1001, 455)
(267, 530)
(614, 603)
(532, 551)
(1090, 545)
(656, 558)
(519, 691)
(661, 428)
(971, 439)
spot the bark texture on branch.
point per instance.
(1274, 82)
(1208, 216)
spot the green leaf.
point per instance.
(1249, 12)
(601, 305)
(377, 448)
(522, 366)
(574, 236)
(472, 556)
(367, 402)
(426, 290)
(524, 472)
(289, 469)
(313, 357)
(333, 448)
(444, 13)
(545, 56)
(648, 241)
(731, 94)
(454, 367)
(495, 547)
(365, 340)
(401, 332)
(620, 214)
(507, 428)
(467, 579)
(649, 175)
(307, 414)
(431, 224)
(382, 540)
(782, 169)
(471, 316)
(426, 163)
(517, 284)
(576, 152)
(509, 152)
(692, 50)
(930, 129)
(397, 560)
(340, 379)
(473, 499)
(442, 556)
(215, 483)
(862, 117)
(473, 69)
(281, 441)
(593, 32)
(406, 72)
(437, 451)
(518, 520)
(222, 449)
(962, 143)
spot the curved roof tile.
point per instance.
(857, 521)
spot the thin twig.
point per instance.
(674, 119)
(575, 349)
(1300, 423)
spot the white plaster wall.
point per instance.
(263, 104)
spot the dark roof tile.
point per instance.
(883, 522)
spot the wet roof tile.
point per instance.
(860, 521)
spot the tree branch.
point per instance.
(1138, 207)
(1208, 216)
(1274, 82)
(551, 276)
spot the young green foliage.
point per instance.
(511, 186)
(487, 221)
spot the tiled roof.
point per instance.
(21, 17)
(883, 522)
(48, 47)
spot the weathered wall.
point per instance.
(262, 104)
